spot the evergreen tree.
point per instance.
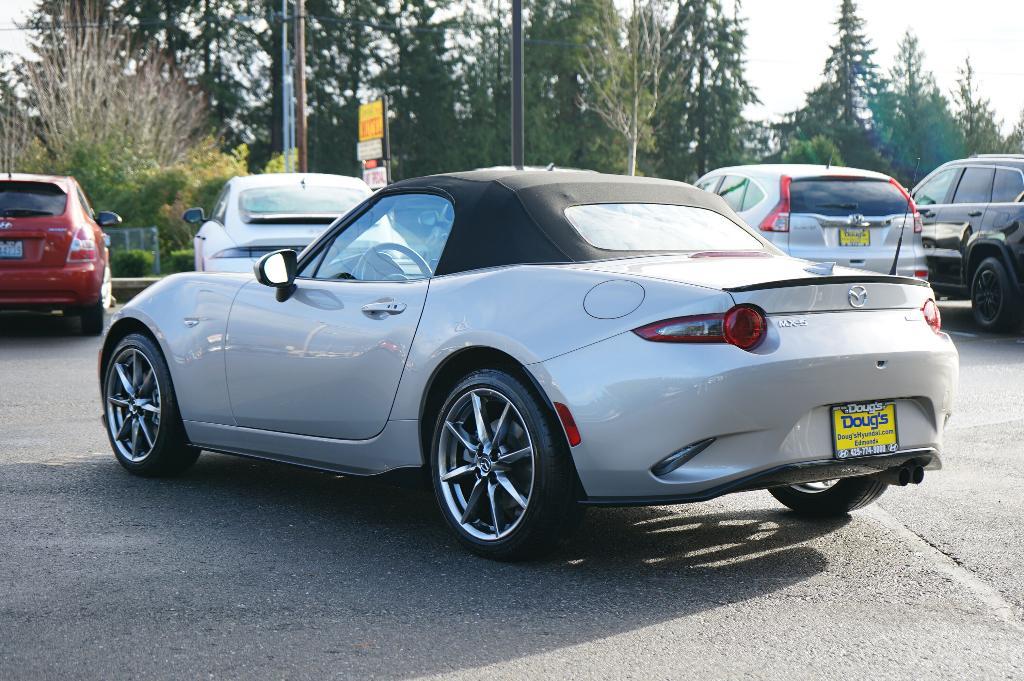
(975, 115)
(839, 108)
(913, 116)
(1015, 142)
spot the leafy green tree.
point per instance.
(819, 150)
(1015, 142)
(975, 115)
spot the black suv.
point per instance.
(973, 212)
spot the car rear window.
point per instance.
(658, 227)
(292, 200)
(25, 199)
(835, 196)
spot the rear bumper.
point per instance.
(74, 285)
(789, 474)
(637, 403)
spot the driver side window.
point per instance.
(400, 238)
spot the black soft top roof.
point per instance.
(508, 217)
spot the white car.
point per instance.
(258, 214)
(532, 342)
(848, 216)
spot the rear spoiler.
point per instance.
(838, 279)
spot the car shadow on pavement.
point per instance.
(246, 568)
(21, 325)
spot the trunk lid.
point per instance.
(850, 220)
(777, 284)
(28, 237)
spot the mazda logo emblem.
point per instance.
(857, 296)
(5, 225)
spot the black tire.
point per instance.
(171, 453)
(994, 301)
(844, 496)
(552, 512)
(93, 319)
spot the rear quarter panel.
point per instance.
(533, 313)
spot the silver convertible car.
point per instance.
(536, 342)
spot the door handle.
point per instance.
(928, 213)
(380, 309)
(974, 214)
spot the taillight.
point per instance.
(911, 207)
(743, 326)
(931, 315)
(83, 246)
(778, 219)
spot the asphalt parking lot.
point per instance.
(242, 569)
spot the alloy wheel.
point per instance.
(987, 295)
(486, 462)
(815, 487)
(133, 404)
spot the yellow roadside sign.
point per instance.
(371, 120)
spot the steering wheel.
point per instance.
(378, 255)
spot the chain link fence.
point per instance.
(136, 239)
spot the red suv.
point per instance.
(53, 255)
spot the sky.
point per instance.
(788, 42)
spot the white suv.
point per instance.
(826, 214)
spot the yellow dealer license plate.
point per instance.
(854, 236)
(864, 429)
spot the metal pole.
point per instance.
(285, 90)
(300, 77)
(517, 83)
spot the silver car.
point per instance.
(536, 342)
(847, 216)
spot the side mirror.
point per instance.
(277, 270)
(194, 216)
(105, 218)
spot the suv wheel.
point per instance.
(995, 303)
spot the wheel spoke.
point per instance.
(478, 416)
(461, 434)
(457, 472)
(507, 485)
(125, 383)
(146, 405)
(474, 499)
(122, 432)
(117, 401)
(135, 436)
(147, 383)
(494, 506)
(137, 370)
(512, 457)
(501, 429)
(145, 432)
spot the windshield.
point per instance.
(26, 199)
(265, 202)
(834, 197)
(658, 227)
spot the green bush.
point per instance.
(182, 260)
(133, 263)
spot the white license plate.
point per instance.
(11, 249)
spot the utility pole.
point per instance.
(286, 91)
(300, 78)
(517, 83)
